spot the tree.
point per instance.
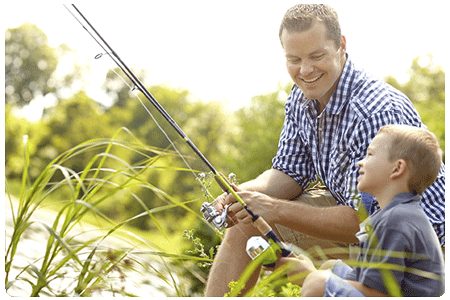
(259, 126)
(73, 121)
(426, 89)
(30, 65)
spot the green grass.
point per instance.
(85, 191)
(95, 267)
(169, 242)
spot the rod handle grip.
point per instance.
(262, 226)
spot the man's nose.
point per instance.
(306, 68)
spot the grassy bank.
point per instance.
(75, 200)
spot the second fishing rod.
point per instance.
(210, 213)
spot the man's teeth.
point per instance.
(312, 80)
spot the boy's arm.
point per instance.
(367, 291)
(315, 282)
(315, 285)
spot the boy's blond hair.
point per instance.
(420, 149)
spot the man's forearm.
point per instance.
(339, 223)
(275, 184)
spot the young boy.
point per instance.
(399, 251)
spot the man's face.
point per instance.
(313, 62)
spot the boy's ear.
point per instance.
(399, 169)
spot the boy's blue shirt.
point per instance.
(405, 238)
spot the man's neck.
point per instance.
(322, 103)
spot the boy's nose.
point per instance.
(359, 163)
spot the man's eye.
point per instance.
(317, 56)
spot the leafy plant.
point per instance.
(199, 249)
(80, 263)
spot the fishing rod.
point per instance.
(210, 213)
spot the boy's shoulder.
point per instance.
(405, 216)
(403, 206)
(402, 227)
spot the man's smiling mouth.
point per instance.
(312, 79)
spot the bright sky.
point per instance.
(229, 50)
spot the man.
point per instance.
(332, 114)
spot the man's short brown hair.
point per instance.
(301, 17)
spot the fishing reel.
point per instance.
(217, 219)
(210, 213)
(258, 247)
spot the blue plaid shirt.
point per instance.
(331, 143)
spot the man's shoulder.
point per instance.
(370, 93)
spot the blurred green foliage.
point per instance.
(426, 89)
(30, 65)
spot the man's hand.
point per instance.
(220, 205)
(260, 204)
(272, 182)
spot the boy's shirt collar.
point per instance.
(366, 226)
(402, 198)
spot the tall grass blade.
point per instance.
(104, 176)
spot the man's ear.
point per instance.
(399, 169)
(343, 45)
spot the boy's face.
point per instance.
(313, 61)
(375, 169)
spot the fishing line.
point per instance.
(135, 93)
(133, 90)
(210, 213)
(201, 178)
(138, 84)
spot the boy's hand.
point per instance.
(297, 267)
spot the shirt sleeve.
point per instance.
(294, 157)
(433, 203)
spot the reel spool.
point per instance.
(210, 213)
(259, 247)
